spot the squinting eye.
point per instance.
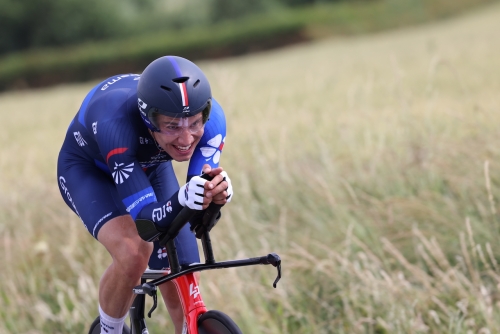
(196, 124)
(172, 127)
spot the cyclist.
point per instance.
(115, 165)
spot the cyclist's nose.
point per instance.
(185, 137)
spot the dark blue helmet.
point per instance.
(175, 87)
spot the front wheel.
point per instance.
(95, 328)
(216, 322)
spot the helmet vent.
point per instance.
(166, 88)
(180, 79)
(196, 83)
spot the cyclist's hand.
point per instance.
(212, 172)
(192, 194)
(225, 196)
(219, 190)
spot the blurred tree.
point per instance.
(26, 24)
(233, 9)
(294, 3)
(34, 23)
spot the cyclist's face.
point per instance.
(179, 136)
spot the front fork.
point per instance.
(192, 303)
(189, 295)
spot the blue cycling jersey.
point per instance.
(109, 134)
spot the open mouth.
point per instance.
(182, 148)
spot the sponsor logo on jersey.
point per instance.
(162, 253)
(137, 201)
(155, 160)
(118, 78)
(79, 138)
(145, 141)
(104, 217)
(214, 148)
(94, 127)
(62, 183)
(161, 212)
(121, 172)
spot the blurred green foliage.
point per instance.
(30, 24)
(223, 10)
(123, 36)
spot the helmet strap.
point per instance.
(154, 139)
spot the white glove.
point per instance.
(229, 189)
(191, 194)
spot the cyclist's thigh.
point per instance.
(88, 191)
(165, 184)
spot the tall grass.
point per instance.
(370, 164)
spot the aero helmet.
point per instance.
(175, 87)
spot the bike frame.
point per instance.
(186, 284)
(192, 303)
(189, 295)
(183, 278)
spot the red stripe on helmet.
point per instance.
(184, 93)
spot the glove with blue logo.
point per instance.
(191, 194)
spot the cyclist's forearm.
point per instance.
(162, 213)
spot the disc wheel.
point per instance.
(216, 322)
(95, 328)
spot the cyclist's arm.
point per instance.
(118, 145)
(209, 149)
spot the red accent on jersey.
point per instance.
(115, 151)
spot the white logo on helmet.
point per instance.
(214, 149)
(142, 106)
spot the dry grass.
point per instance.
(370, 164)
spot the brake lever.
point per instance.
(275, 260)
(279, 276)
(155, 303)
(151, 291)
(278, 267)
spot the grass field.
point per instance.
(370, 164)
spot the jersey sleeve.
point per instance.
(116, 140)
(209, 149)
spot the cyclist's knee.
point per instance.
(132, 258)
(129, 252)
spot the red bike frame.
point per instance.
(184, 279)
(192, 303)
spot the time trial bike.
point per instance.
(198, 319)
